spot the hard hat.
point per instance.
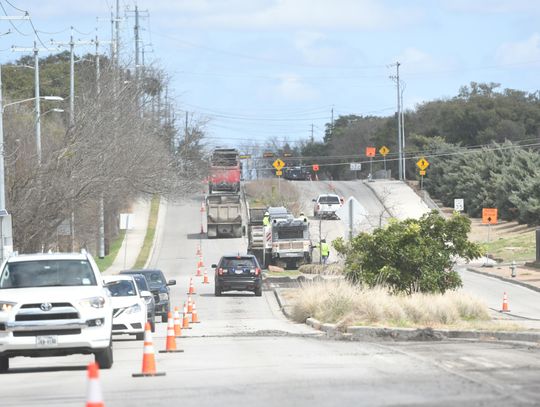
(302, 214)
(266, 213)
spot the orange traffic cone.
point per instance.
(93, 394)
(171, 338)
(149, 358)
(505, 303)
(185, 320)
(198, 274)
(189, 305)
(177, 325)
(191, 287)
(200, 263)
(205, 278)
(199, 250)
(194, 315)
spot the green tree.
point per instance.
(411, 255)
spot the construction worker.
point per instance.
(266, 219)
(325, 251)
(303, 217)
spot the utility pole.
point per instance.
(399, 118)
(332, 122)
(403, 135)
(37, 97)
(312, 132)
(117, 26)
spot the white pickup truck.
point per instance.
(54, 305)
(326, 206)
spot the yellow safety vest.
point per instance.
(325, 249)
(266, 221)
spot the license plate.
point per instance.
(239, 271)
(51, 340)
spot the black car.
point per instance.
(238, 273)
(142, 284)
(296, 174)
(159, 286)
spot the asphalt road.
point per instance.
(246, 353)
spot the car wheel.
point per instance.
(217, 291)
(4, 364)
(164, 317)
(153, 325)
(104, 358)
(258, 291)
(139, 336)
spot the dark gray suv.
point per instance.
(238, 273)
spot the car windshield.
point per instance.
(155, 279)
(243, 262)
(328, 199)
(47, 273)
(122, 288)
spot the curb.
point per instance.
(390, 214)
(508, 280)
(370, 333)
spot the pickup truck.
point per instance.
(326, 206)
(54, 304)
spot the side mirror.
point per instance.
(171, 282)
(313, 200)
(243, 230)
(214, 266)
(146, 294)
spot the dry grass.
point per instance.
(329, 269)
(338, 301)
(268, 192)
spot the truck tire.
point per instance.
(211, 231)
(104, 357)
(217, 291)
(258, 291)
(4, 364)
(237, 231)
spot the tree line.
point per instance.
(124, 142)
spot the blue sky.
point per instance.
(259, 70)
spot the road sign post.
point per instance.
(422, 165)
(278, 165)
(489, 217)
(459, 205)
(384, 151)
(370, 152)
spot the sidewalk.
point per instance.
(133, 241)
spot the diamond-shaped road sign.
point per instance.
(278, 164)
(384, 151)
(422, 163)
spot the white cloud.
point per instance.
(518, 52)
(280, 14)
(292, 88)
(417, 61)
(493, 6)
(316, 49)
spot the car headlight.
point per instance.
(94, 302)
(133, 309)
(6, 306)
(163, 297)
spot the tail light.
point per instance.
(257, 271)
(220, 271)
(318, 206)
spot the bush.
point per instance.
(410, 256)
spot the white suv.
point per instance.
(54, 305)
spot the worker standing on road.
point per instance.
(325, 251)
(266, 219)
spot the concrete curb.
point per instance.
(508, 280)
(370, 333)
(379, 199)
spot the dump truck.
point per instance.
(225, 169)
(224, 215)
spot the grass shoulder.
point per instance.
(114, 248)
(150, 234)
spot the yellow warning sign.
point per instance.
(422, 163)
(422, 172)
(279, 173)
(278, 164)
(384, 151)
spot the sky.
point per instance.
(261, 70)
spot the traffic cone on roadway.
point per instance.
(94, 397)
(190, 305)
(149, 358)
(205, 278)
(185, 320)
(505, 303)
(194, 315)
(191, 287)
(171, 338)
(200, 263)
(177, 325)
(198, 274)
